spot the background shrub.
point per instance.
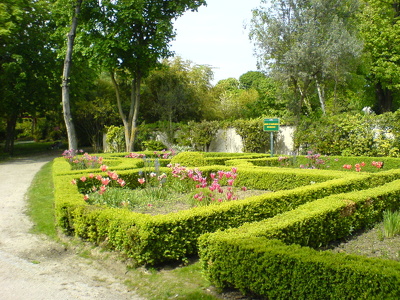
(189, 159)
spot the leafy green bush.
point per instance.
(115, 138)
(153, 145)
(251, 131)
(198, 135)
(189, 159)
(351, 135)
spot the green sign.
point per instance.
(271, 124)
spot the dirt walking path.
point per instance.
(34, 267)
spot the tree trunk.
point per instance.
(72, 138)
(321, 95)
(135, 103)
(384, 99)
(10, 134)
(121, 112)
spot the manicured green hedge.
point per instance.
(331, 162)
(274, 270)
(312, 224)
(153, 239)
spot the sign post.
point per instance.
(271, 125)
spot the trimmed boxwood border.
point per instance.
(155, 239)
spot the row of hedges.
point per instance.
(270, 268)
(153, 239)
(327, 162)
(276, 270)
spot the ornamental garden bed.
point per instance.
(349, 196)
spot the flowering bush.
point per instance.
(157, 187)
(85, 161)
(103, 183)
(315, 161)
(135, 155)
(215, 192)
(218, 187)
(357, 167)
(165, 154)
(378, 164)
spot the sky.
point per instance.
(215, 36)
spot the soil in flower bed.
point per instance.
(179, 202)
(370, 243)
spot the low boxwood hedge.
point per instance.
(273, 270)
(312, 224)
(155, 239)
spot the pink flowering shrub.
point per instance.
(101, 184)
(218, 187)
(135, 155)
(315, 161)
(165, 154)
(80, 162)
(358, 166)
(156, 186)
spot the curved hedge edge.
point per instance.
(273, 270)
(150, 241)
(311, 224)
(324, 220)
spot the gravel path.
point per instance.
(34, 267)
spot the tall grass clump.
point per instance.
(391, 223)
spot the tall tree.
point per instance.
(69, 124)
(306, 43)
(380, 29)
(132, 36)
(27, 62)
(175, 92)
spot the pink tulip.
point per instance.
(141, 180)
(113, 175)
(103, 168)
(102, 190)
(105, 181)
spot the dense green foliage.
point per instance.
(148, 238)
(380, 31)
(312, 224)
(309, 46)
(189, 159)
(351, 134)
(273, 270)
(328, 57)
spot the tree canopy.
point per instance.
(380, 29)
(27, 62)
(306, 44)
